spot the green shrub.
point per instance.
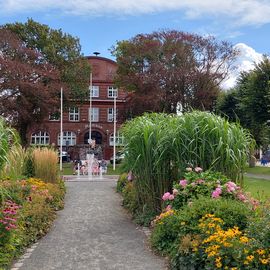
(37, 216)
(122, 182)
(129, 198)
(175, 231)
(165, 232)
(29, 166)
(259, 227)
(233, 213)
(144, 217)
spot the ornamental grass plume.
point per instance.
(46, 164)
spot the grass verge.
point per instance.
(259, 188)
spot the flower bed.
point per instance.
(27, 209)
(209, 222)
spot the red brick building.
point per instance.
(76, 119)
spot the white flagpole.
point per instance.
(90, 110)
(114, 129)
(61, 130)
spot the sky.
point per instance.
(100, 24)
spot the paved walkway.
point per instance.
(93, 232)
(258, 176)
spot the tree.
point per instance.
(250, 101)
(61, 50)
(29, 85)
(54, 56)
(166, 68)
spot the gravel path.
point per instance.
(93, 232)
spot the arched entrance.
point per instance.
(95, 135)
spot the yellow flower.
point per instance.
(212, 254)
(244, 239)
(219, 265)
(250, 258)
(264, 261)
(260, 251)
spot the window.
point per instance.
(110, 115)
(55, 116)
(69, 138)
(74, 114)
(95, 91)
(40, 137)
(119, 139)
(94, 114)
(112, 92)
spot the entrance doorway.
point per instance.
(95, 135)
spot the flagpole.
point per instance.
(114, 129)
(90, 110)
(61, 130)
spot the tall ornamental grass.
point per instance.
(143, 136)
(14, 165)
(8, 137)
(160, 147)
(46, 164)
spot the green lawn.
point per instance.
(259, 170)
(259, 188)
(68, 169)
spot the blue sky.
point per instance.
(99, 24)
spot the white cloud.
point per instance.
(242, 12)
(245, 62)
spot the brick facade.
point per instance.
(103, 70)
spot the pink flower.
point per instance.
(216, 193)
(171, 197)
(200, 181)
(168, 208)
(183, 183)
(241, 197)
(130, 176)
(231, 186)
(166, 196)
(175, 191)
(198, 169)
(189, 169)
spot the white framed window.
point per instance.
(74, 114)
(40, 138)
(55, 116)
(119, 139)
(110, 114)
(94, 114)
(69, 138)
(95, 91)
(112, 92)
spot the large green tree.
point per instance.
(165, 68)
(249, 101)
